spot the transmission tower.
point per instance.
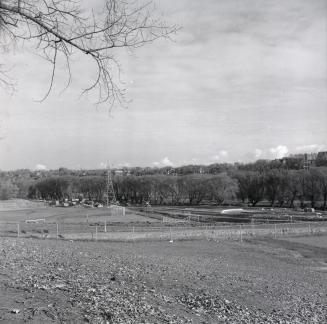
(110, 192)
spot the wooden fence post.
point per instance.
(57, 232)
(18, 230)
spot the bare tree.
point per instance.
(323, 184)
(222, 188)
(61, 28)
(251, 185)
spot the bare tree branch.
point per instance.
(67, 27)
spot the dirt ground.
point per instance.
(257, 281)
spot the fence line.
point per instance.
(101, 231)
(173, 215)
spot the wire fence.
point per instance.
(238, 216)
(40, 228)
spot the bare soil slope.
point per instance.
(160, 282)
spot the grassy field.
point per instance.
(200, 214)
(316, 241)
(79, 223)
(257, 281)
(72, 215)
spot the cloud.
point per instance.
(188, 162)
(40, 167)
(221, 156)
(258, 153)
(193, 161)
(279, 151)
(223, 153)
(271, 153)
(264, 62)
(164, 162)
(103, 165)
(123, 165)
(312, 148)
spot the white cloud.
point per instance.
(312, 148)
(258, 153)
(123, 165)
(187, 162)
(164, 162)
(103, 165)
(271, 153)
(40, 167)
(223, 153)
(278, 151)
(221, 156)
(193, 161)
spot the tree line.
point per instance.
(278, 182)
(279, 187)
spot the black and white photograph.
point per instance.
(163, 161)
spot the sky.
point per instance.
(242, 80)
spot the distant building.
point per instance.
(121, 172)
(322, 155)
(321, 159)
(305, 160)
(309, 160)
(171, 172)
